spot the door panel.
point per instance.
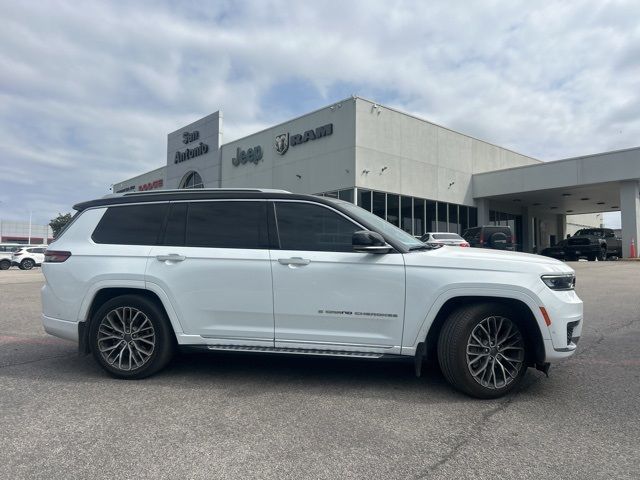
(215, 267)
(327, 296)
(217, 292)
(338, 300)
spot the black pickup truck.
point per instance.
(593, 243)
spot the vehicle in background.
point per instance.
(593, 244)
(555, 251)
(436, 238)
(490, 236)
(28, 257)
(6, 253)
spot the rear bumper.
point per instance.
(60, 328)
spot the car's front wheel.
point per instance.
(481, 350)
(27, 264)
(130, 337)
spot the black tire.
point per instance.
(592, 258)
(27, 264)
(5, 265)
(453, 346)
(163, 338)
(602, 257)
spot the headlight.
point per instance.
(565, 281)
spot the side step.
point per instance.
(295, 351)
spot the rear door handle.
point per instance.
(172, 257)
(294, 261)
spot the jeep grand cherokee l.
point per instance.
(136, 275)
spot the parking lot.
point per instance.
(262, 416)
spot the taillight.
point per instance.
(56, 256)
(465, 244)
(17, 254)
(481, 239)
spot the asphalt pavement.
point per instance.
(265, 416)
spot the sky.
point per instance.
(89, 90)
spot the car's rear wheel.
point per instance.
(481, 350)
(27, 264)
(130, 337)
(5, 265)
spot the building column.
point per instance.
(483, 211)
(527, 231)
(561, 226)
(630, 215)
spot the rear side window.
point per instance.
(131, 225)
(304, 226)
(234, 224)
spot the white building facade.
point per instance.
(417, 175)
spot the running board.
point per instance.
(295, 351)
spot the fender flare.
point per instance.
(502, 291)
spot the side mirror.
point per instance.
(364, 241)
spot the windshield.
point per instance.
(406, 239)
(446, 236)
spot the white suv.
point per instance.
(134, 276)
(28, 257)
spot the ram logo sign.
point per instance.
(285, 140)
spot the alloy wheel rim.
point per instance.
(495, 352)
(126, 338)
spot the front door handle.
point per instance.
(172, 257)
(294, 261)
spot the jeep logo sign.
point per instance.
(251, 155)
(285, 140)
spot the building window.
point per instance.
(379, 201)
(431, 224)
(473, 217)
(364, 199)
(191, 179)
(443, 223)
(464, 218)
(393, 209)
(346, 195)
(418, 216)
(406, 214)
(453, 218)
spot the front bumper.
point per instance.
(565, 310)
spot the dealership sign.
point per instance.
(250, 155)
(144, 187)
(285, 140)
(189, 153)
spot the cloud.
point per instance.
(89, 91)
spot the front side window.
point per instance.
(305, 226)
(233, 224)
(131, 224)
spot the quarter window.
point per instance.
(304, 226)
(235, 224)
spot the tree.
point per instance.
(57, 224)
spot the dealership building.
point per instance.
(417, 175)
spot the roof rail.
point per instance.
(195, 190)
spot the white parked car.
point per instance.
(136, 275)
(444, 238)
(6, 254)
(28, 257)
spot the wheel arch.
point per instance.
(523, 316)
(105, 294)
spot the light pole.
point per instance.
(30, 213)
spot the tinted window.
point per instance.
(176, 225)
(227, 225)
(303, 226)
(131, 225)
